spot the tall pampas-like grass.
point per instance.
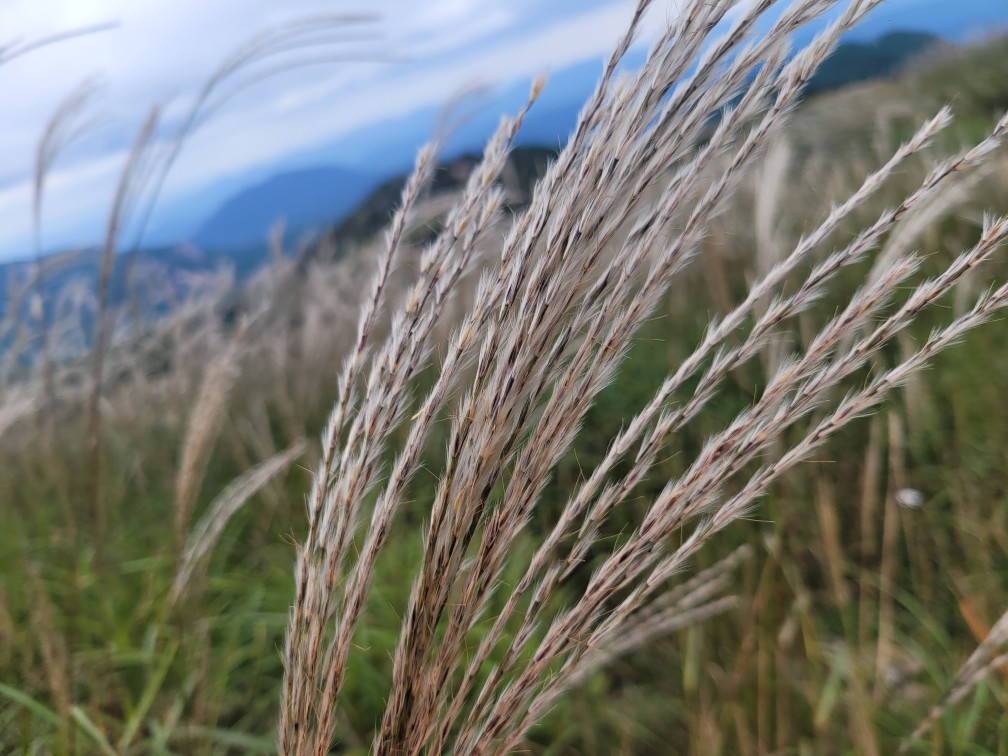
(617, 217)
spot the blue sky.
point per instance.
(161, 50)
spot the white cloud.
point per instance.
(164, 48)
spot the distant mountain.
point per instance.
(525, 166)
(312, 198)
(304, 199)
(318, 198)
(952, 20)
(852, 62)
(65, 284)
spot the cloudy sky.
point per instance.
(414, 54)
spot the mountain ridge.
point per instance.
(301, 198)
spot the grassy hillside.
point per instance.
(859, 61)
(144, 597)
